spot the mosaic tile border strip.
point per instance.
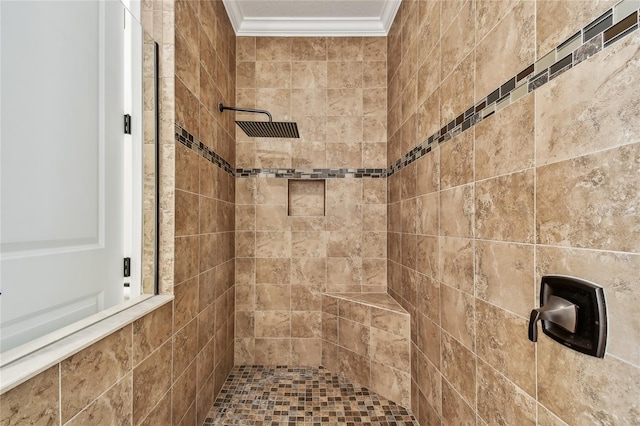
(616, 23)
(281, 395)
(312, 173)
(188, 140)
(613, 25)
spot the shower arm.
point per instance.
(254, 111)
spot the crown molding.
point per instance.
(389, 13)
(309, 27)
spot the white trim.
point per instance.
(389, 13)
(234, 12)
(307, 26)
(22, 369)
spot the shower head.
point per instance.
(264, 129)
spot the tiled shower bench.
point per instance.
(366, 338)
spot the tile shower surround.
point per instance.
(591, 39)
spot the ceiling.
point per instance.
(311, 17)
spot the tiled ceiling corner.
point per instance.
(311, 17)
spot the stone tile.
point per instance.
(275, 75)
(591, 201)
(391, 383)
(566, 381)
(458, 314)
(205, 363)
(273, 49)
(34, 402)
(428, 173)
(601, 105)
(309, 272)
(458, 39)
(354, 366)
(429, 339)
(457, 212)
(306, 324)
(556, 21)
(390, 349)
(273, 351)
(87, 374)
(344, 48)
(306, 352)
(188, 341)
(186, 258)
(273, 271)
(456, 262)
(507, 50)
(271, 218)
(501, 149)
(459, 369)
(428, 297)
(390, 321)
(459, 88)
(113, 407)
(427, 253)
(161, 413)
(500, 401)
(354, 336)
(455, 411)
(151, 380)
(502, 342)
(151, 331)
(505, 208)
(429, 382)
(272, 297)
(428, 115)
(547, 418)
(272, 324)
(505, 276)
(184, 394)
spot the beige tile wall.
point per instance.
(335, 89)
(166, 367)
(548, 185)
(284, 263)
(204, 218)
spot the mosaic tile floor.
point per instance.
(261, 395)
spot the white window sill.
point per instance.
(23, 368)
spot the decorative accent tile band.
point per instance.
(617, 22)
(188, 140)
(312, 173)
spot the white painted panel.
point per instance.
(49, 124)
(62, 148)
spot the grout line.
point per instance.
(60, 393)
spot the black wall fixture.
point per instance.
(573, 313)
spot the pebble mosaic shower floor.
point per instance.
(263, 395)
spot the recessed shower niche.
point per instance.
(306, 197)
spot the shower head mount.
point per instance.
(264, 129)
